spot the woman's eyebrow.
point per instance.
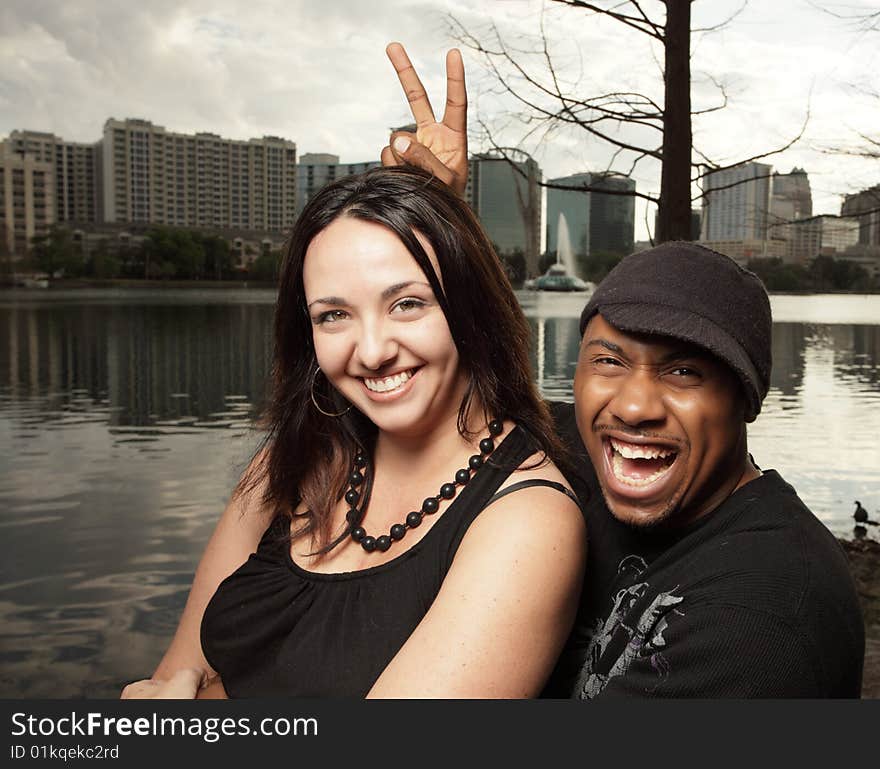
(337, 300)
(398, 287)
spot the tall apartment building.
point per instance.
(506, 198)
(596, 221)
(317, 169)
(865, 206)
(152, 176)
(27, 197)
(71, 175)
(76, 175)
(74, 172)
(736, 203)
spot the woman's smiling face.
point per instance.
(380, 336)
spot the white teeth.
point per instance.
(388, 383)
(633, 451)
(617, 468)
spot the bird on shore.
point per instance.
(861, 515)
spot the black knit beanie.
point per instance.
(689, 292)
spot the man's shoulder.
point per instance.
(566, 424)
(767, 513)
(770, 551)
(577, 468)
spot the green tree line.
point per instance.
(181, 254)
(823, 273)
(164, 253)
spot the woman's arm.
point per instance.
(238, 532)
(505, 608)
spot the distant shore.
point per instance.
(864, 558)
(74, 283)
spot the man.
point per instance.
(707, 576)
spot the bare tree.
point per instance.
(547, 103)
(861, 22)
(867, 207)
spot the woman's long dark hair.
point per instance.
(306, 456)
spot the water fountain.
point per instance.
(562, 275)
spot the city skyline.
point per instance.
(250, 192)
(319, 77)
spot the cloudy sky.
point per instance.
(316, 73)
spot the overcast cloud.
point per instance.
(316, 73)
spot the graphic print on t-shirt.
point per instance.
(633, 629)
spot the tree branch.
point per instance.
(761, 155)
(503, 152)
(737, 183)
(724, 23)
(643, 24)
(720, 86)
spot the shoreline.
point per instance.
(73, 283)
(864, 560)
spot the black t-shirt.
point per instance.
(274, 629)
(753, 600)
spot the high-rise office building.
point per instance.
(505, 195)
(597, 221)
(790, 201)
(824, 235)
(612, 214)
(316, 169)
(791, 195)
(865, 206)
(736, 203)
(153, 176)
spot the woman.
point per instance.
(374, 546)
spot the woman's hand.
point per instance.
(437, 147)
(183, 685)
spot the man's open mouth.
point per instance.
(639, 464)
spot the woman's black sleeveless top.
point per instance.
(275, 629)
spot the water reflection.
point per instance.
(140, 365)
(125, 421)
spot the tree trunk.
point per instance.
(674, 214)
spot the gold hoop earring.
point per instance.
(314, 400)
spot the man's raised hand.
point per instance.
(437, 147)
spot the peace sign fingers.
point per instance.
(455, 115)
(439, 148)
(412, 86)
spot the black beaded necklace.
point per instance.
(431, 505)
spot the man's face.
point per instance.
(663, 423)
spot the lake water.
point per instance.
(125, 421)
